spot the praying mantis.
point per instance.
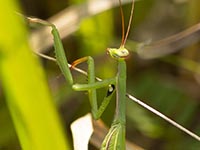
(115, 139)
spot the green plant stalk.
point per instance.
(28, 98)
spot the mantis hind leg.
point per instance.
(92, 85)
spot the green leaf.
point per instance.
(28, 98)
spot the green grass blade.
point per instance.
(28, 98)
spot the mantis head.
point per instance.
(122, 52)
(118, 53)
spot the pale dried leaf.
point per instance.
(82, 130)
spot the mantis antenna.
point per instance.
(124, 37)
(122, 52)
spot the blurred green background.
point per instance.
(169, 87)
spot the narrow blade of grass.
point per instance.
(28, 98)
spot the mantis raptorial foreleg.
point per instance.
(115, 139)
(92, 84)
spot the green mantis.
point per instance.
(115, 139)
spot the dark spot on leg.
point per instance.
(111, 89)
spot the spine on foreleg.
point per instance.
(114, 140)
